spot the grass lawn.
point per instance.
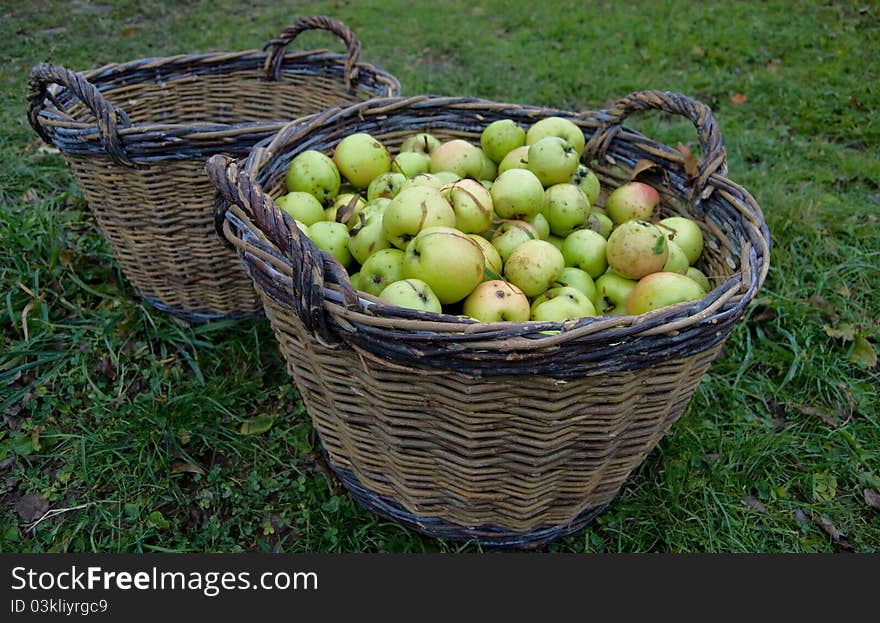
(127, 424)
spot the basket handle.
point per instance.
(279, 44)
(312, 268)
(714, 154)
(108, 117)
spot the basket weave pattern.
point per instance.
(136, 136)
(501, 432)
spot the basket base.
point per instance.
(197, 316)
(485, 536)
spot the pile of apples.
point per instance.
(507, 231)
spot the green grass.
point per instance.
(127, 422)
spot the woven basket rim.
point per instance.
(265, 238)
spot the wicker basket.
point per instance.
(136, 136)
(494, 432)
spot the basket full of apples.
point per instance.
(493, 312)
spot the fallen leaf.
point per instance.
(800, 516)
(824, 487)
(257, 425)
(697, 51)
(31, 506)
(183, 467)
(773, 65)
(828, 527)
(738, 99)
(872, 498)
(863, 353)
(129, 31)
(641, 166)
(845, 331)
(30, 196)
(754, 503)
(690, 162)
(48, 149)
(823, 414)
(157, 520)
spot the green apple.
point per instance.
(699, 276)
(510, 234)
(517, 158)
(534, 266)
(331, 237)
(386, 185)
(497, 300)
(367, 237)
(305, 229)
(677, 262)
(561, 304)
(360, 157)
(501, 137)
(488, 170)
(302, 206)
(447, 260)
(661, 289)
(686, 234)
(457, 156)
(380, 269)
(566, 207)
(314, 173)
(636, 249)
(539, 222)
(493, 260)
(412, 294)
(553, 160)
(578, 279)
(446, 177)
(588, 182)
(409, 163)
(599, 222)
(557, 126)
(585, 249)
(423, 179)
(345, 209)
(422, 142)
(612, 290)
(412, 210)
(472, 205)
(633, 201)
(556, 241)
(517, 194)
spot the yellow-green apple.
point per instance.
(489, 169)
(660, 290)
(345, 209)
(556, 241)
(632, 201)
(510, 234)
(517, 194)
(585, 249)
(700, 277)
(566, 207)
(472, 205)
(383, 267)
(557, 126)
(360, 157)
(367, 236)
(493, 260)
(561, 304)
(599, 222)
(410, 163)
(686, 234)
(636, 249)
(423, 179)
(447, 260)
(497, 300)
(302, 206)
(331, 237)
(587, 181)
(386, 185)
(412, 210)
(539, 222)
(517, 158)
(501, 137)
(446, 177)
(314, 173)
(422, 142)
(457, 156)
(553, 160)
(677, 262)
(412, 294)
(612, 290)
(578, 279)
(534, 266)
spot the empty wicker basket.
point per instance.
(136, 137)
(493, 432)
